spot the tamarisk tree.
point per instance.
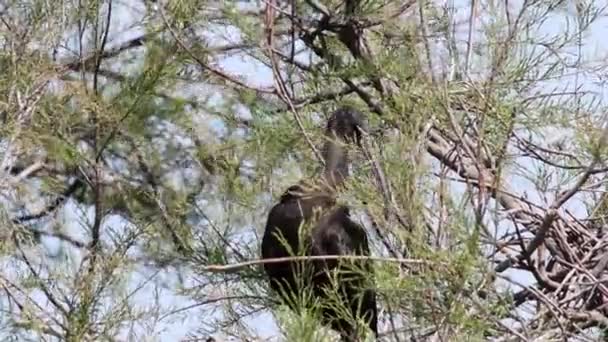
(142, 144)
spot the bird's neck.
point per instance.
(336, 161)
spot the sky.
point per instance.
(128, 12)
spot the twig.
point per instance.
(281, 88)
(32, 169)
(319, 7)
(425, 38)
(467, 62)
(230, 268)
(77, 184)
(203, 65)
(550, 216)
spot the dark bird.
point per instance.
(308, 221)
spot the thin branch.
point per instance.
(231, 268)
(472, 16)
(550, 216)
(67, 193)
(280, 87)
(425, 38)
(204, 65)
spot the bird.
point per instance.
(308, 221)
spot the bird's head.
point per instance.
(347, 124)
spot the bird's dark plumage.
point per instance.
(327, 229)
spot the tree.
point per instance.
(141, 144)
